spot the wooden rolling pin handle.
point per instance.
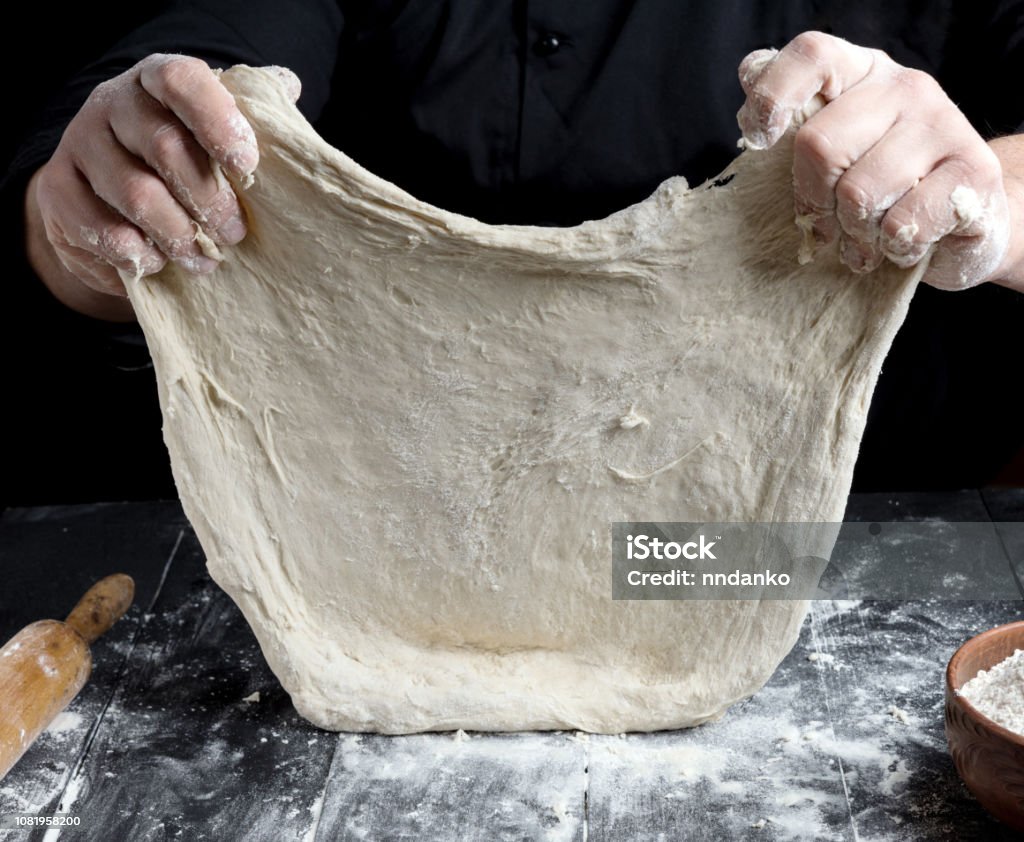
(102, 606)
(43, 666)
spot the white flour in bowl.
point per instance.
(999, 692)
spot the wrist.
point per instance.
(1010, 151)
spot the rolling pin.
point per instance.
(43, 666)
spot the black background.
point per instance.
(80, 416)
(81, 421)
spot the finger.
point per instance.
(91, 270)
(971, 232)
(292, 83)
(148, 130)
(876, 182)
(78, 222)
(960, 262)
(938, 206)
(828, 145)
(811, 64)
(126, 184)
(753, 65)
(188, 88)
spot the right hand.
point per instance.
(131, 178)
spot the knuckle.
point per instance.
(963, 169)
(762, 104)
(815, 146)
(155, 60)
(881, 61)
(179, 74)
(101, 94)
(986, 166)
(138, 194)
(813, 45)
(149, 262)
(980, 169)
(920, 85)
(853, 200)
(899, 227)
(751, 68)
(122, 241)
(220, 207)
(168, 145)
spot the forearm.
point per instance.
(1010, 151)
(64, 286)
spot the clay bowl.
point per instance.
(988, 757)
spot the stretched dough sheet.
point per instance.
(398, 433)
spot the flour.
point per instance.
(899, 714)
(64, 722)
(824, 659)
(999, 692)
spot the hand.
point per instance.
(131, 183)
(886, 162)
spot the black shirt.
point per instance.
(555, 112)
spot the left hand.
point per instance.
(888, 165)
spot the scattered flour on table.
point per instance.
(63, 722)
(899, 714)
(316, 810)
(824, 659)
(999, 692)
(66, 804)
(530, 784)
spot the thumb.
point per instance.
(291, 82)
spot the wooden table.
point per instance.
(168, 741)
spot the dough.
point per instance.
(402, 435)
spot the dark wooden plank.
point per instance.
(49, 557)
(844, 742)
(916, 546)
(1006, 507)
(179, 753)
(883, 683)
(818, 753)
(456, 787)
(952, 506)
(751, 775)
(1004, 503)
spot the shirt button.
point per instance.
(547, 44)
